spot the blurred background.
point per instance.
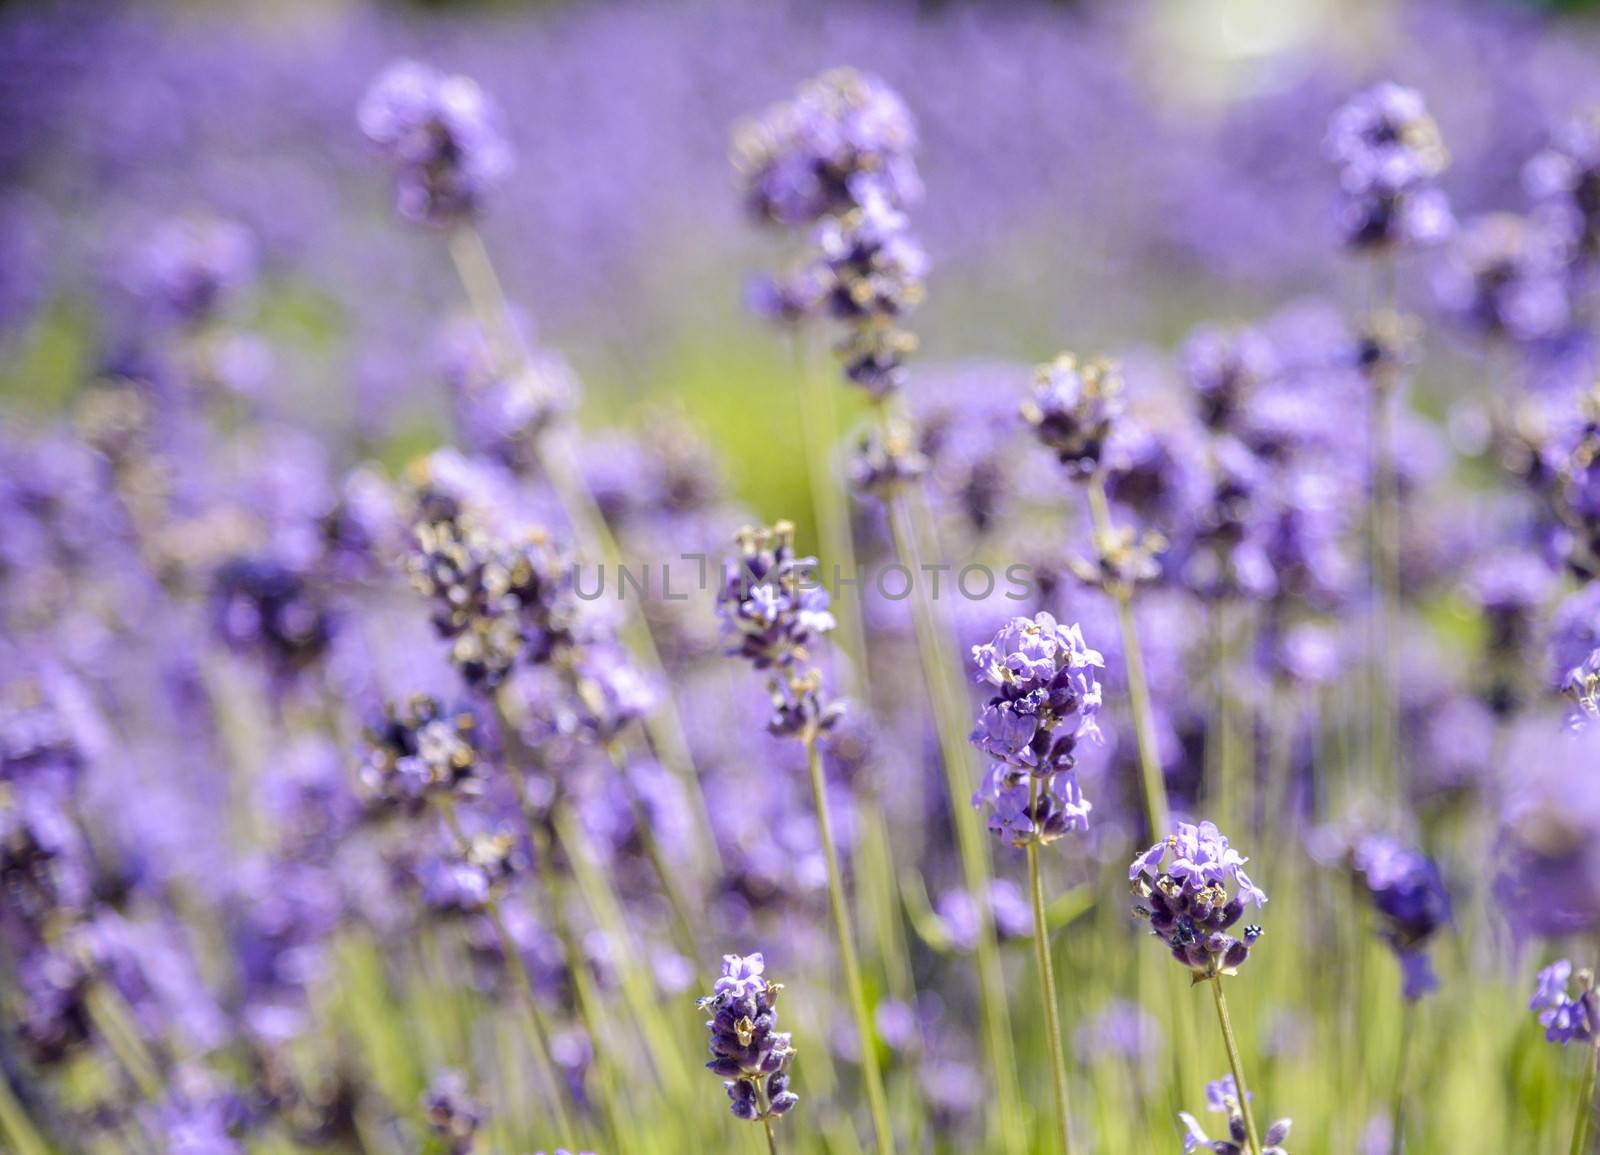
(1098, 176)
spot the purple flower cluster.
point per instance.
(1222, 1098)
(1582, 689)
(419, 748)
(843, 137)
(1046, 698)
(501, 411)
(451, 1112)
(1506, 276)
(772, 608)
(1409, 895)
(1564, 179)
(747, 1050)
(1566, 1017)
(1187, 903)
(838, 159)
(442, 137)
(1389, 152)
(1073, 409)
(496, 603)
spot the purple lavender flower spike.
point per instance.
(771, 608)
(1409, 895)
(1565, 1016)
(442, 137)
(421, 747)
(496, 602)
(1072, 410)
(452, 1113)
(1564, 179)
(1222, 1098)
(747, 1050)
(1047, 700)
(189, 268)
(844, 136)
(1548, 846)
(1188, 905)
(1388, 152)
(1582, 689)
(1506, 276)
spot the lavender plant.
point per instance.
(371, 772)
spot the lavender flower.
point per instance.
(1388, 151)
(747, 1049)
(1188, 904)
(189, 268)
(1565, 179)
(1223, 370)
(419, 748)
(873, 274)
(262, 605)
(503, 411)
(845, 135)
(1072, 410)
(1549, 838)
(1411, 900)
(1222, 1098)
(1506, 276)
(770, 611)
(1582, 689)
(442, 137)
(1048, 697)
(1566, 1018)
(497, 603)
(452, 1113)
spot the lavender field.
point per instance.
(849, 578)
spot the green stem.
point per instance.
(945, 687)
(877, 1103)
(1397, 1108)
(1047, 981)
(1384, 524)
(819, 424)
(682, 926)
(538, 1030)
(1235, 1066)
(587, 1000)
(16, 1124)
(772, 1141)
(115, 1022)
(637, 988)
(594, 538)
(1153, 780)
(1586, 1105)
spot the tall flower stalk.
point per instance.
(839, 159)
(1181, 885)
(1569, 1010)
(1073, 409)
(443, 139)
(1045, 699)
(1388, 153)
(772, 612)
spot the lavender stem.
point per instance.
(1586, 1103)
(944, 684)
(877, 1103)
(16, 1125)
(538, 1031)
(819, 424)
(1047, 981)
(1152, 778)
(664, 728)
(1235, 1065)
